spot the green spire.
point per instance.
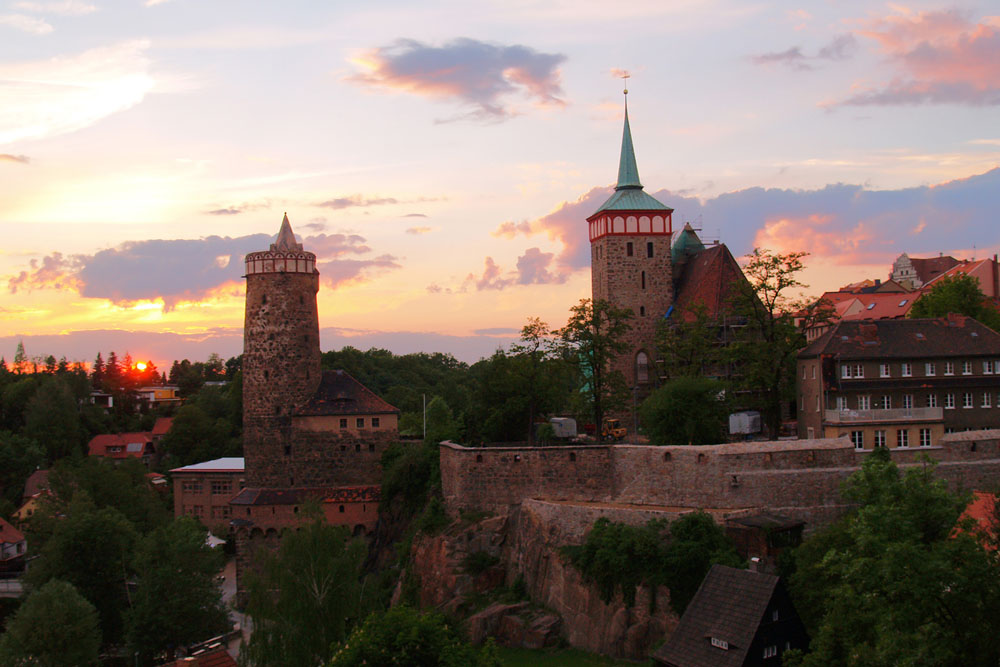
(628, 173)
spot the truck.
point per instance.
(564, 428)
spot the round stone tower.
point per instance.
(281, 358)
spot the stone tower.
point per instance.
(630, 263)
(281, 358)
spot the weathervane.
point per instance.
(625, 76)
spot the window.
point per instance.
(220, 512)
(907, 368)
(880, 438)
(191, 486)
(628, 248)
(949, 368)
(196, 510)
(859, 371)
(967, 399)
(883, 371)
(376, 422)
(902, 438)
(841, 403)
(220, 487)
(949, 401)
(887, 402)
(642, 311)
(649, 249)
(817, 404)
(845, 371)
(987, 396)
(343, 423)
(643, 279)
(925, 437)
(987, 368)
(864, 402)
(814, 372)
(852, 370)
(930, 369)
(966, 368)
(907, 401)
(858, 439)
(360, 422)
(770, 651)
(774, 615)
(932, 400)
(996, 367)
(641, 368)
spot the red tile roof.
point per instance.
(981, 510)
(709, 279)
(130, 444)
(9, 534)
(162, 425)
(341, 394)
(338, 494)
(883, 305)
(213, 657)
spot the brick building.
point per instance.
(900, 383)
(204, 490)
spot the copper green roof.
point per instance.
(628, 194)
(687, 243)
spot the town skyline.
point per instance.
(146, 147)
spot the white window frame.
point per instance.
(966, 368)
(880, 438)
(864, 402)
(845, 371)
(842, 404)
(949, 368)
(930, 369)
(987, 368)
(902, 437)
(770, 651)
(858, 439)
(987, 399)
(967, 400)
(949, 401)
(887, 402)
(925, 437)
(906, 369)
(907, 401)
(884, 371)
(932, 400)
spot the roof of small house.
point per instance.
(728, 607)
(710, 278)
(37, 482)
(131, 444)
(9, 534)
(336, 494)
(210, 657)
(225, 464)
(341, 394)
(952, 336)
(162, 425)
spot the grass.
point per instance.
(561, 657)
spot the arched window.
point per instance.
(641, 368)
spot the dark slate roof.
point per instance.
(36, 483)
(710, 278)
(766, 521)
(729, 606)
(324, 494)
(930, 268)
(341, 394)
(952, 336)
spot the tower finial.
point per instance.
(286, 238)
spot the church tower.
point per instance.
(630, 263)
(281, 357)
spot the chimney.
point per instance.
(754, 564)
(996, 278)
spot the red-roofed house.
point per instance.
(215, 656)
(12, 543)
(986, 271)
(122, 446)
(914, 272)
(982, 511)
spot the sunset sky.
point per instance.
(441, 158)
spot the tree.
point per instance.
(895, 582)
(55, 627)
(405, 636)
(177, 601)
(97, 373)
(765, 350)
(686, 411)
(194, 436)
(440, 421)
(52, 419)
(595, 335)
(19, 457)
(21, 363)
(306, 598)
(957, 294)
(697, 543)
(690, 348)
(533, 368)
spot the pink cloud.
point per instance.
(822, 235)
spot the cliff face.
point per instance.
(526, 544)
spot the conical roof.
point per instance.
(286, 239)
(628, 172)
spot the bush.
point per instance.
(478, 562)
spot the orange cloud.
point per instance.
(819, 235)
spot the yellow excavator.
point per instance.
(613, 430)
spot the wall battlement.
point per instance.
(798, 478)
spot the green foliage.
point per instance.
(410, 473)
(177, 601)
(52, 419)
(306, 598)
(686, 411)
(595, 335)
(404, 636)
(478, 562)
(55, 627)
(434, 517)
(957, 294)
(19, 457)
(195, 435)
(690, 347)
(619, 557)
(441, 423)
(894, 583)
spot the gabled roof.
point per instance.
(37, 482)
(210, 657)
(340, 394)
(952, 336)
(324, 494)
(225, 464)
(930, 268)
(130, 444)
(980, 510)
(9, 534)
(710, 278)
(162, 425)
(728, 607)
(685, 244)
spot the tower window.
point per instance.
(263, 299)
(302, 299)
(642, 311)
(628, 248)
(288, 450)
(643, 280)
(649, 249)
(641, 368)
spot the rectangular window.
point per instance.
(864, 402)
(628, 248)
(949, 401)
(220, 487)
(987, 368)
(902, 438)
(814, 372)
(925, 437)
(649, 249)
(907, 401)
(930, 369)
(883, 370)
(841, 403)
(967, 399)
(817, 404)
(191, 486)
(845, 371)
(880, 438)
(360, 422)
(221, 512)
(343, 423)
(859, 371)
(375, 422)
(996, 367)
(932, 400)
(770, 651)
(907, 369)
(858, 439)
(966, 368)
(987, 397)
(887, 402)
(949, 368)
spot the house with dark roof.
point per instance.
(36, 483)
(737, 617)
(899, 382)
(204, 490)
(353, 506)
(344, 406)
(914, 272)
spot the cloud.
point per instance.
(7, 157)
(417, 231)
(492, 278)
(497, 331)
(236, 209)
(533, 268)
(54, 96)
(479, 75)
(841, 48)
(24, 23)
(941, 58)
(792, 57)
(415, 215)
(225, 211)
(352, 201)
(186, 270)
(60, 8)
(316, 225)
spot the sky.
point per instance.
(441, 158)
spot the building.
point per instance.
(985, 271)
(737, 617)
(308, 435)
(36, 483)
(899, 383)
(862, 306)
(121, 446)
(203, 490)
(13, 546)
(914, 272)
(158, 395)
